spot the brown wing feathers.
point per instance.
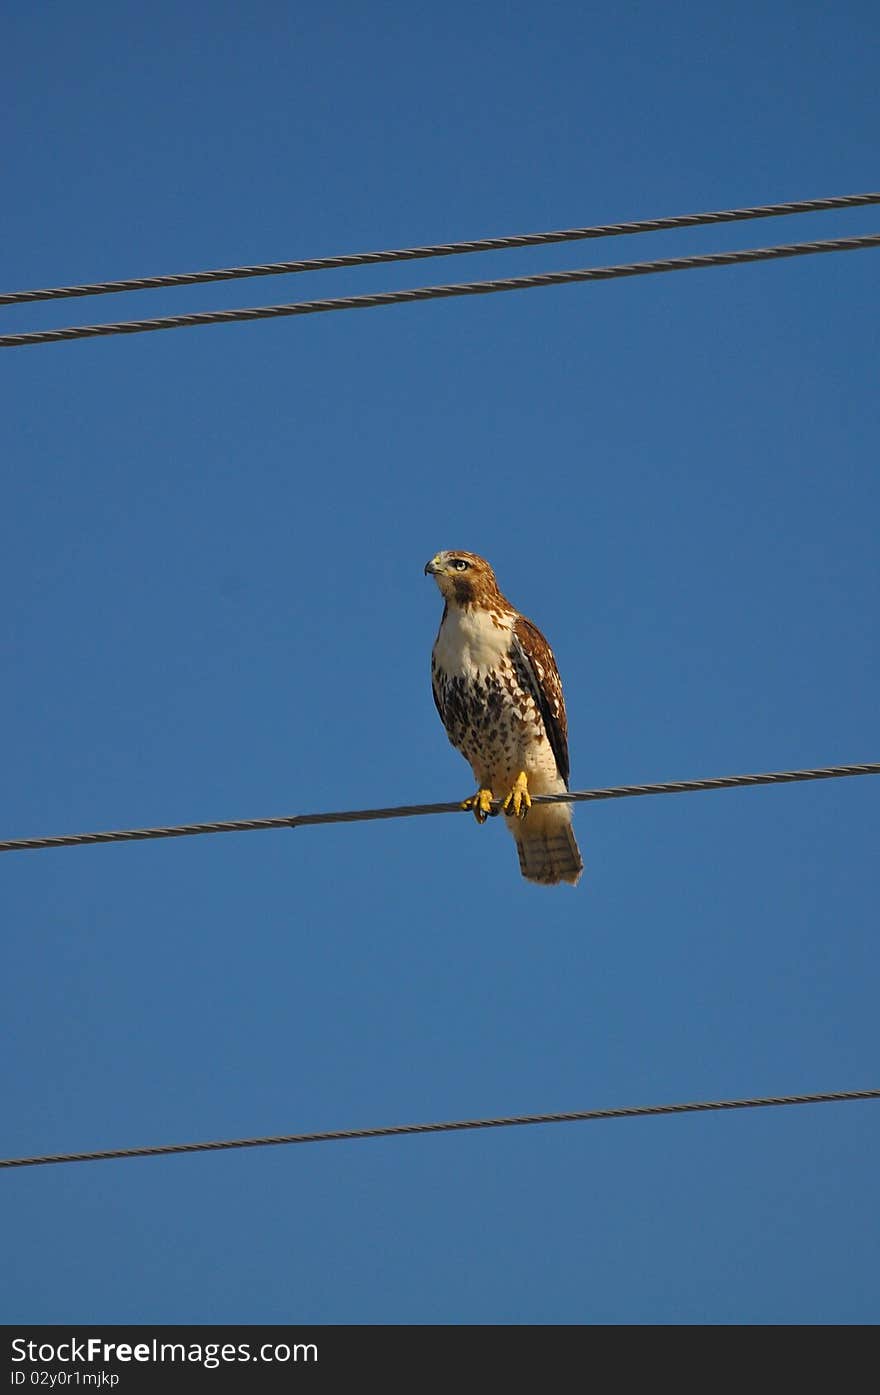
(542, 675)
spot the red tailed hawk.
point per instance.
(499, 695)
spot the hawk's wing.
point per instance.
(435, 695)
(541, 676)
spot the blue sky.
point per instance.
(212, 545)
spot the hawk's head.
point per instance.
(463, 578)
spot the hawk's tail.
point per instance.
(548, 852)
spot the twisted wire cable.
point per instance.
(407, 811)
(455, 1126)
(444, 292)
(443, 249)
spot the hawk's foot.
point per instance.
(481, 803)
(518, 802)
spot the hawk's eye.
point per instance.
(459, 564)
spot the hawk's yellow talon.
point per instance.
(481, 803)
(518, 802)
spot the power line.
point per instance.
(406, 811)
(443, 249)
(456, 1126)
(418, 293)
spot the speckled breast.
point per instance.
(489, 718)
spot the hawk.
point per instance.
(499, 695)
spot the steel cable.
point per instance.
(404, 811)
(442, 249)
(445, 292)
(456, 1126)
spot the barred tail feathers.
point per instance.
(546, 845)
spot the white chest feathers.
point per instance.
(472, 641)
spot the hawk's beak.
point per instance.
(434, 567)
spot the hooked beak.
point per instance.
(434, 567)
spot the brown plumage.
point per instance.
(499, 695)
